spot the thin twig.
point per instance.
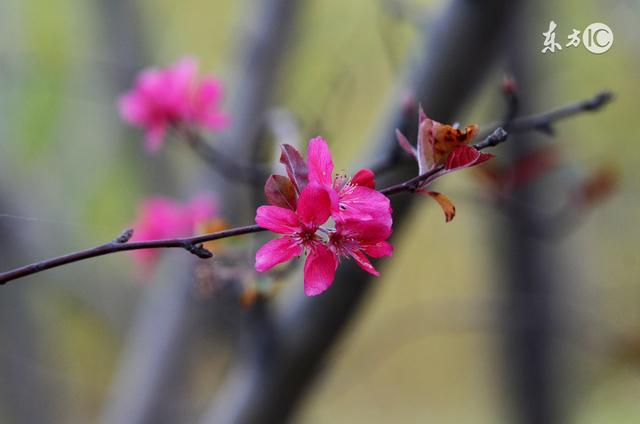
(190, 244)
(544, 121)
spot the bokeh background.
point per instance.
(428, 344)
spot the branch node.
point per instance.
(198, 250)
(124, 237)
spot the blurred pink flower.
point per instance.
(165, 97)
(162, 217)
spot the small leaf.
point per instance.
(445, 203)
(295, 166)
(280, 191)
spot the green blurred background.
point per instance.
(422, 350)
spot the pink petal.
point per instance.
(277, 219)
(314, 205)
(319, 270)
(154, 137)
(319, 162)
(209, 91)
(275, 252)
(364, 177)
(379, 250)
(132, 108)
(363, 203)
(363, 262)
(201, 208)
(367, 232)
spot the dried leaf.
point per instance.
(436, 141)
(445, 203)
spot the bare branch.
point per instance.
(190, 244)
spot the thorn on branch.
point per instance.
(198, 250)
(124, 237)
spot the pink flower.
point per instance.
(302, 204)
(356, 197)
(165, 97)
(161, 217)
(300, 234)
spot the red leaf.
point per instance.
(280, 191)
(465, 156)
(295, 166)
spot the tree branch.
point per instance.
(193, 244)
(120, 244)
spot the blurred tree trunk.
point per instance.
(532, 266)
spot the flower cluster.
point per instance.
(326, 217)
(175, 95)
(162, 217)
(442, 149)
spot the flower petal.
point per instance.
(319, 162)
(275, 252)
(364, 177)
(379, 250)
(319, 270)
(154, 137)
(314, 205)
(277, 219)
(363, 262)
(363, 203)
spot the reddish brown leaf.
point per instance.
(447, 206)
(280, 191)
(295, 166)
